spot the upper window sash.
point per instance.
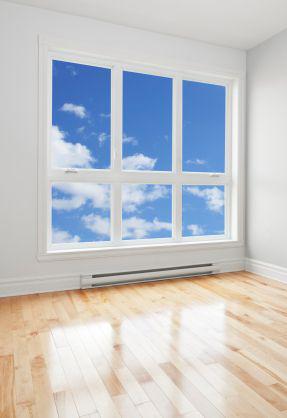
(116, 122)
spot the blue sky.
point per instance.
(203, 131)
(80, 137)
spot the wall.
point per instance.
(267, 154)
(19, 29)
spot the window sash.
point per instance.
(116, 217)
(116, 176)
(117, 114)
(116, 212)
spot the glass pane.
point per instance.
(147, 211)
(203, 129)
(81, 109)
(203, 210)
(80, 212)
(147, 122)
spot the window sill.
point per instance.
(76, 254)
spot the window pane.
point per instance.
(202, 210)
(203, 130)
(80, 212)
(147, 122)
(147, 211)
(81, 108)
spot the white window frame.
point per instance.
(232, 179)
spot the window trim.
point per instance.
(233, 159)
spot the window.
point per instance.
(204, 206)
(136, 156)
(147, 211)
(203, 132)
(81, 109)
(147, 122)
(80, 212)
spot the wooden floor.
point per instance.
(206, 347)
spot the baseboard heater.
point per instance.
(149, 275)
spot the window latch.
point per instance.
(214, 175)
(71, 170)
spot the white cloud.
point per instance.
(97, 224)
(213, 196)
(72, 70)
(80, 193)
(195, 229)
(60, 236)
(136, 228)
(134, 195)
(74, 202)
(105, 115)
(81, 129)
(66, 154)
(103, 136)
(197, 161)
(139, 162)
(129, 140)
(77, 110)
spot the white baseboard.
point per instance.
(24, 286)
(229, 266)
(270, 271)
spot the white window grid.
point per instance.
(116, 177)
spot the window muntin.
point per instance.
(168, 225)
(203, 127)
(146, 211)
(203, 210)
(147, 122)
(81, 113)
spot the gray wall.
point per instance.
(19, 30)
(266, 227)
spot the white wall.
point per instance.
(267, 152)
(19, 28)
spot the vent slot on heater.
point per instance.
(148, 275)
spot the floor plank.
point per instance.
(213, 346)
(7, 406)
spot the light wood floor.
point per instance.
(206, 347)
